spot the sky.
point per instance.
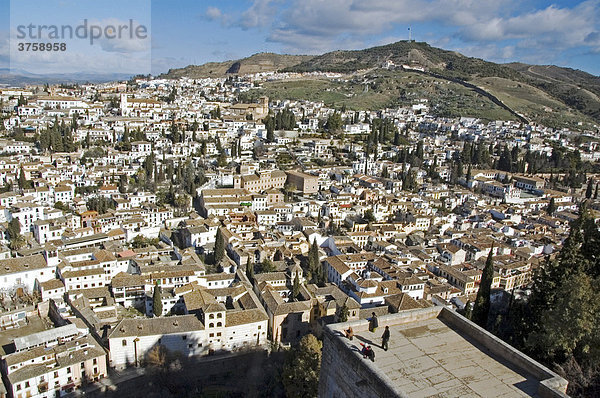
(183, 32)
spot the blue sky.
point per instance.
(564, 33)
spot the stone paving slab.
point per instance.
(431, 359)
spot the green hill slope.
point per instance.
(551, 95)
(261, 62)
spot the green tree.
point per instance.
(22, 181)
(222, 159)
(343, 313)
(505, 161)
(300, 375)
(266, 266)
(369, 216)
(481, 308)
(175, 133)
(570, 324)
(590, 189)
(172, 95)
(215, 113)
(14, 229)
(250, 270)
(334, 122)
(295, 287)
(562, 320)
(17, 243)
(219, 246)
(313, 261)
(156, 300)
(551, 207)
(269, 122)
(62, 206)
(123, 183)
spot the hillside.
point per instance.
(261, 62)
(554, 96)
(575, 88)
(448, 63)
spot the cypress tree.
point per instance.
(551, 207)
(313, 259)
(589, 189)
(481, 307)
(22, 182)
(344, 312)
(219, 246)
(156, 301)
(295, 287)
(250, 270)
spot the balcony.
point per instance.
(43, 387)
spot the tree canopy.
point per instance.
(156, 300)
(559, 324)
(301, 369)
(481, 308)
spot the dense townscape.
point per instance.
(186, 215)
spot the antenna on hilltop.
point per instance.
(409, 34)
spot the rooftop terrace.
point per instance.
(433, 352)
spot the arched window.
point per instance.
(219, 315)
(211, 316)
(219, 324)
(211, 325)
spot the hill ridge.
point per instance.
(569, 89)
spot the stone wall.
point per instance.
(344, 372)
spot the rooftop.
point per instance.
(434, 352)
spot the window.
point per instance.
(26, 384)
(219, 324)
(18, 387)
(95, 361)
(55, 374)
(219, 334)
(124, 342)
(184, 337)
(211, 335)
(211, 316)
(211, 325)
(68, 370)
(219, 315)
(82, 365)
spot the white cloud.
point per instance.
(213, 13)
(260, 14)
(497, 28)
(552, 26)
(123, 41)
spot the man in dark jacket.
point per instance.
(385, 338)
(374, 322)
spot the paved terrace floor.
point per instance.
(431, 359)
